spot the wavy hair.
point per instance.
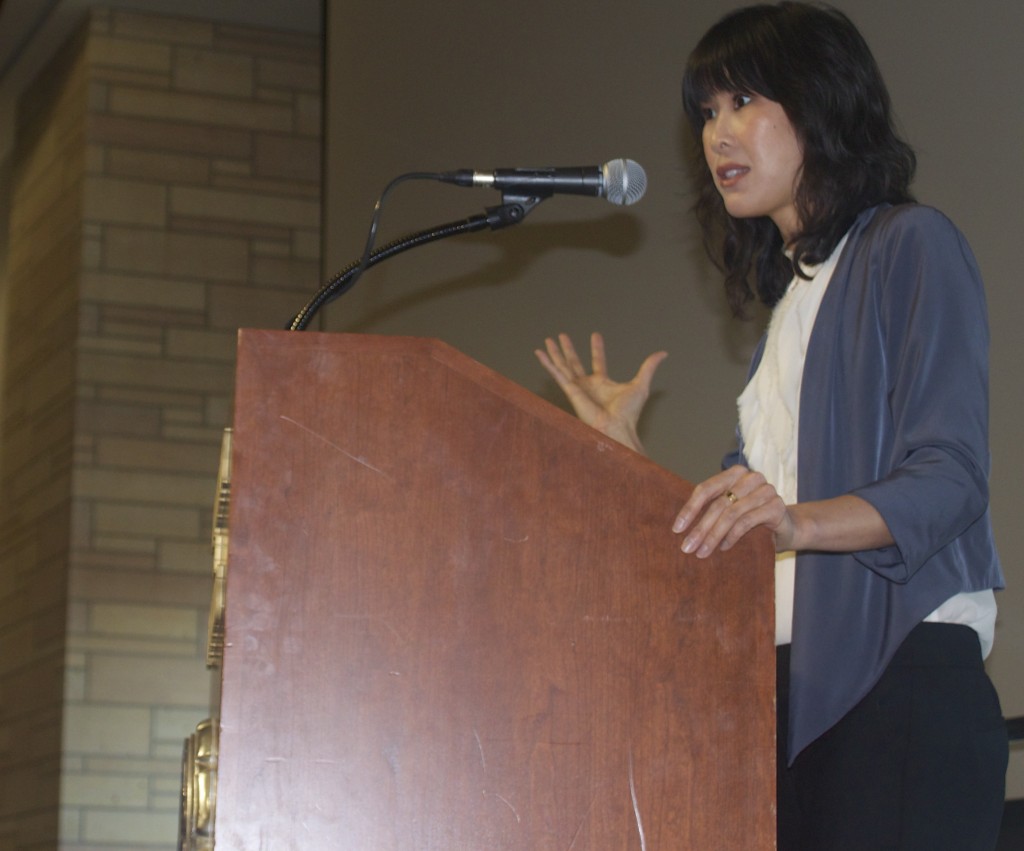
(812, 60)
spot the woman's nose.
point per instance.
(718, 133)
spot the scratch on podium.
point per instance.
(636, 805)
(480, 748)
(335, 446)
(579, 827)
(505, 801)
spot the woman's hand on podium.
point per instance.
(723, 508)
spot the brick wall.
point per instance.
(37, 368)
(167, 192)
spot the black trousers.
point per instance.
(918, 765)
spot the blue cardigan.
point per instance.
(894, 409)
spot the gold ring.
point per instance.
(729, 495)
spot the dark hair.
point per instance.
(811, 60)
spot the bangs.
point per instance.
(735, 56)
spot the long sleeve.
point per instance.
(931, 317)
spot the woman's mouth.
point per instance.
(729, 174)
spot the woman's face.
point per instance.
(754, 156)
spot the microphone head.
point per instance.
(625, 181)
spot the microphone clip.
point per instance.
(514, 207)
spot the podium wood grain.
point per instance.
(457, 618)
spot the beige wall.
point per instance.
(416, 87)
(164, 190)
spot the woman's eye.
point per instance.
(740, 100)
(707, 113)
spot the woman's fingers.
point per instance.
(645, 375)
(597, 360)
(704, 494)
(612, 407)
(569, 356)
(724, 508)
(762, 507)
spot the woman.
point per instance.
(863, 441)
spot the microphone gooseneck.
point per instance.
(619, 181)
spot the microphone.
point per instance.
(620, 181)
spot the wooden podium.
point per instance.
(457, 618)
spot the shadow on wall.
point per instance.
(616, 235)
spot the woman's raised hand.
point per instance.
(611, 407)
